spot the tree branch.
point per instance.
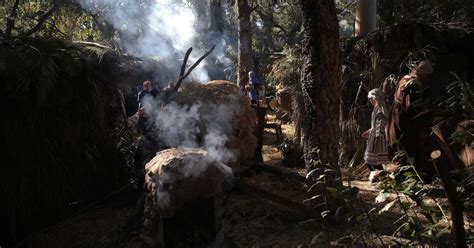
(181, 78)
(185, 61)
(11, 18)
(42, 20)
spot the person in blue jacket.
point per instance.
(253, 87)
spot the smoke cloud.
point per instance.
(193, 126)
(205, 126)
(164, 29)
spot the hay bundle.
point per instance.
(175, 178)
(236, 114)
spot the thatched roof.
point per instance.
(61, 113)
(370, 59)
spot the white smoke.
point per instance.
(199, 125)
(160, 28)
(205, 127)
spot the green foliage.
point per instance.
(433, 11)
(459, 102)
(411, 195)
(346, 17)
(282, 18)
(68, 22)
(460, 97)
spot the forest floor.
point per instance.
(249, 221)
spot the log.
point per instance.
(291, 205)
(281, 172)
(454, 201)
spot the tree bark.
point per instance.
(319, 83)
(11, 18)
(202, 17)
(366, 17)
(244, 43)
(216, 16)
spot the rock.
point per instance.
(175, 178)
(237, 117)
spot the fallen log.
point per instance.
(281, 172)
(282, 201)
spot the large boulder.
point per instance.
(176, 178)
(183, 189)
(227, 96)
(215, 116)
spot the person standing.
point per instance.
(254, 87)
(406, 127)
(376, 153)
(147, 92)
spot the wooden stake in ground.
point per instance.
(455, 203)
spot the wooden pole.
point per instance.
(454, 201)
(261, 113)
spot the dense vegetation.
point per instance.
(66, 65)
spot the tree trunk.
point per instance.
(11, 18)
(201, 9)
(216, 16)
(244, 43)
(268, 22)
(366, 17)
(319, 83)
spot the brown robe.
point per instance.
(406, 90)
(408, 127)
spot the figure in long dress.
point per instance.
(376, 153)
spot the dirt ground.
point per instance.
(249, 221)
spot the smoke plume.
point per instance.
(199, 125)
(163, 29)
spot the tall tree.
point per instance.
(202, 14)
(265, 13)
(319, 83)
(216, 16)
(366, 17)
(245, 42)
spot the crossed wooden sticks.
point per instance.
(182, 74)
